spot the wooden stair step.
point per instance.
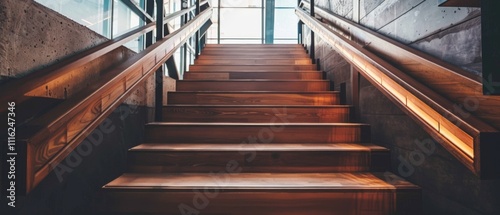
(254, 98)
(243, 47)
(244, 52)
(254, 46)
(261, 193)
(203, 158)
(314, 75)
(276, 132)
(224, 54)
(268, 61)
(232, 68)
(256, 113)
(252, 85)
(254, 56)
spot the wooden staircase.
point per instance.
(254, 130)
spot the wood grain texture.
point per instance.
(242, 52)
(253, 85)
(268, 61)
(278, 132)
(253, 75)
(259, 152)
(284, 158)
(454, 130)
(18, 88)
(333, 193)
(254, 98)
(267, 55)
(234, 68)
(56, 133)
(256, 113)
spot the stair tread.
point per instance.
(255, 181)
(159, 147)
(260, 92)
(258, 106)
(250, 71)
(257, 124)
(252, 80)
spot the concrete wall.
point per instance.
(451, 34)
(32, 37)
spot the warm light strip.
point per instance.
(400, 94)
(457, 141)
(426, 117)
(386, 84)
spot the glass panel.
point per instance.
(214, 3)
(241, 23)
(286, 3)
(212, 31)
(95, 15)
(123, 19)
(277, 41)
(241, 3)
(285, 24)
(171, 7)
(241, 41)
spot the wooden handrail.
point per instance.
(389, 47)
(18, 88)
(56, 134)
(469, 139)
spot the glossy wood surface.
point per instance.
(254, 98)
(307, 75)
(253, 85)
(266, 146)
(256, 113)
(235, 68)
(262, 158)
(55, 134)
(240, 132)
(467, 137)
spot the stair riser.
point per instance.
(263, 134)
(255, 114)
(254, 62)
(254, 57)
(218, 201)
(281, 68)
(238, 86)
(246, 52)
(257, 161)
(253, 75)
(255, 46)
(252, 99)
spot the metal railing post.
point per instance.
(159, 72)
(197, 37)
(312, 50)
(184, 20)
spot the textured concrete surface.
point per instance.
(451, 34)
(32, 36)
